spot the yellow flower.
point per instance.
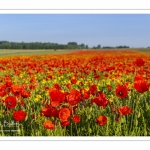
(44, 81)
(47, 93)
(62, 91)
(48, 81)
(118, 81)
(81, 79)
(103, 80)
(98, 85)
(55, 80)
(110, 100)
(38, 96)
(36, 99)
(88, 79)
(130, 85)
(86, 89)
(78, 82)
(64, 81)
(21, 75)
(85, 83)
(62, 77)
(108, 82)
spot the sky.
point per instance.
(91, 29)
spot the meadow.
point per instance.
(75, 93)
(19, 52)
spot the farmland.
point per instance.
(75, 93)
(31, 52)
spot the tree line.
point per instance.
(48, 45)
(40, 45)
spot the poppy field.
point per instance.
(83, 93)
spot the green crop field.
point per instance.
(9, 52)
(19, 52)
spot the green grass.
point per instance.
(32, 52)
(14, 52)
(146, 50)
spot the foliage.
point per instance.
(85, 93)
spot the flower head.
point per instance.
(19, 115)
(49, 125)
(121, 91)
(64, 114)
(10, 101)
(124, 110)
(76, 119)
(101, 120)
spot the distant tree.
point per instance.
(98, 46)
(39, 45)
(122, 46)
(86, 47)
(108, 47)
(82, 46)
(72, 45)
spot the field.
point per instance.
(11, 52)
(75, 93)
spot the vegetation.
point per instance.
(85, 93)
(55, 46)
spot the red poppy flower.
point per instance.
(10, 101)
(73, 81)
(50, 112)
(32, 80)
(3, 93)
(3, 90)
(25, 94)
(106, 75)
(109, 87)
(138, 77)
(8, 83)
(124, 110)
(24, 86)
(140, 84)
(97, 76)
(49, 125)
(81, 83)
(139, 62)
(76, 119)
(93, 89)
(56, 97)
(121, 91)
(74, 97)
(101, 120)
(57, 86)
(33, 86)
(100, 100)
(64, 114)
(68, 85)
(85, 94)
(16, 90)
(65, 123)
(19, 115)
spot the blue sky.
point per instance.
(92, 29)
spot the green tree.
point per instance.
(98, 46)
